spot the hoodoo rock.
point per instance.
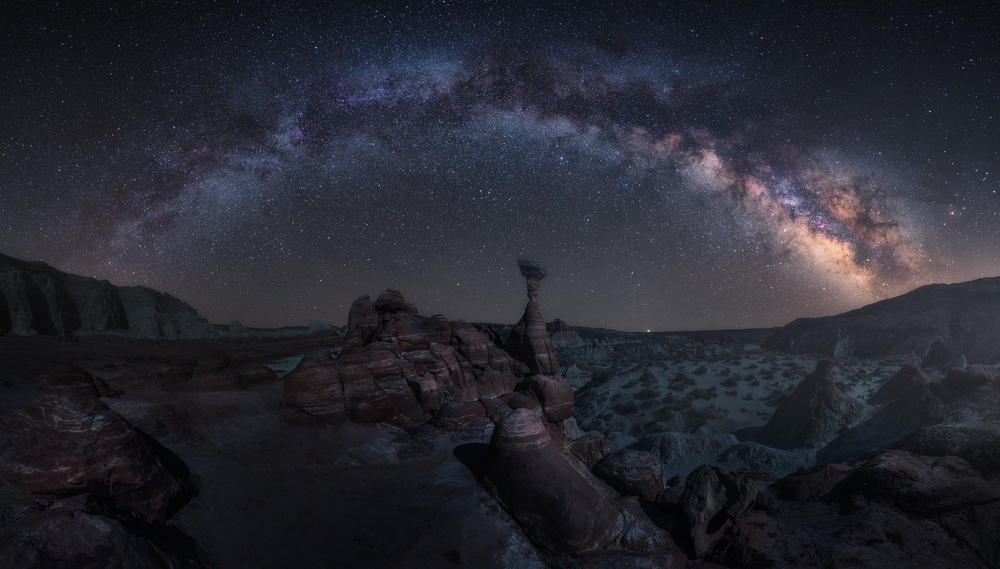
(814, 413)
(73, 445)
(561, 508)
(314, 387)
(529, 342)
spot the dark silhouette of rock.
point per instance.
(454, 414)
(810, 484)
(73, 445)
(962, 381)
(314, 387)
(978, 447)
(215, 372)
(38, 299)
(561, 508)
(908, 380)
(915, 405)
(69, 379)
(713, 500)
(87, 532)
(632, 473)
(948, 319)
(895, 510)
(814, 413)
(563, 335)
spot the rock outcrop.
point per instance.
(314, 387)
(978, 447)
(87, 532)
(815, 413)
(632, 473)
(38, 299)
(713, 500)
(894, 510)
(939, 322)
(73, 445)
(563, 335)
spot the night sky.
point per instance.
(679, 167)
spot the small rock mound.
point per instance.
(904, 383)
(813, 414)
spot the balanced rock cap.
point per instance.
(532, 270)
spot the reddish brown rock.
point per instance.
(314, 387)
(84, 532)
(454, 414)
(555, 396)
(590, 449)
(390, 301)
(427, 392)
(413, 332)
(810, 484)
(561, 508)
(68, 379)
(64, 446)
(713, 500)
(632, 473)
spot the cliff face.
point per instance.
(938, 322)
(38, 299)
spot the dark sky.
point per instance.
(686, 166)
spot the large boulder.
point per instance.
(562, 508)
(314, 387)
(713, 500)
(980, 448)
(73, 445)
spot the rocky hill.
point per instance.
(38, 299)
(939, 323)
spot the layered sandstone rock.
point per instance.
(632, 473)
(71, 445)
(314, 387)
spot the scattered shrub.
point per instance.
(701, 370)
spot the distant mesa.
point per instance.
(38, 299)
(938, 323)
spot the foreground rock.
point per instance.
(563, 507)
(314, 387)
(74, 445)
(895, 510)
(713, 501)
(87, 532)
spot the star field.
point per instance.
(680, 167)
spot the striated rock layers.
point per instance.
(815, 413)
(73, 445)
(939, 323)
(400, 367)
(38, 299)
(562, 505)
(529, 342)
